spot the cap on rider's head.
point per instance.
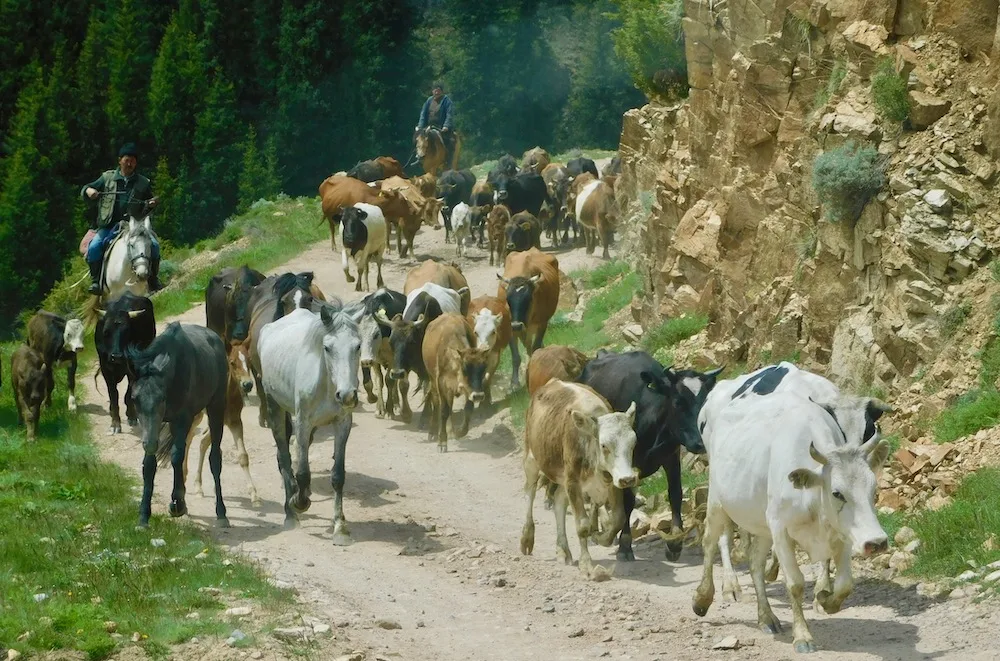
(128, 149)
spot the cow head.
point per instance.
(239, 367)
(402, 335)
(116, 331)
(615, 434)
(500, 192)
(846, 485)
(73, 336)
(341, 354)
(520, 293)
(486, 325)
(355, 230)
(674, 401)
(33, 386)
(371, 338)
(518, 235)
(432, 207)
(149, 393)
(474, 371)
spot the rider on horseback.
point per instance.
(437, 113)
(126, 192)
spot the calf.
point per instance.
(668, 404)
(455, 366)
(382, 167)
(125, 326)
(364, 240)
(479, 215)
(554, 362)
(597, 212)
(530, 287)
(375, 354)
(440, 273)
(535, 160)
(557, 182)
(523, 192)
(573, 438)
(523, 232)
(454, 186)
(227, 302)
(496, 225)
(406, 336)
(793, 471)
(461, 226)
(490, 320)
(58, 340)
(29, 378)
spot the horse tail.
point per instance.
(89, 311)
(165, 446)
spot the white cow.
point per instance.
(461, 226)
(364, 237)
(309, 365)
(792, 471)
(449, 299)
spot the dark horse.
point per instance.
(227, 302)
(182, 373)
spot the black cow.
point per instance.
(126, 324)
(454, 186)
(524, 192)
(58, 340)
(578, 166)
(181, 374)
(391, 303)
(227, 302)
(506, 166)
(523, 232)
(667, 406)
(406, 339)
(366, 171)
(613, 168)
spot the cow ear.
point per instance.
(362, 214)
(525, 226)
(816, 455)
(877, 457)
(802, 478)
(876, 408)
(535, 279)
(652, 381)
(583, 422)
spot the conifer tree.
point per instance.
(216, 149)
(259, 177)
(128, 74)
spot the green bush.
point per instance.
(651, 43)
(846, 179)
(673, 331)
(837, 75)
(889, 92)
(954, 318)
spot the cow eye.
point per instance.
(839, 496)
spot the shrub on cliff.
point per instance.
(889, 92)
(846, 179)
(651, 43)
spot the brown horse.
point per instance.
(432, 152)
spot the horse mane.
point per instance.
(287, 282)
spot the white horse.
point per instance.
(126, 265)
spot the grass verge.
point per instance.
(979, 409)
(73, 559)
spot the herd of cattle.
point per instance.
(794, 461)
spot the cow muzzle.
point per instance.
(347, 398)
(627, 481)
(517, 326)
(477, 397)
(397, 375)
(510, 247)
(874, 546)
(367, 362)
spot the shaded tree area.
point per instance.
(231, 101)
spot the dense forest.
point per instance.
(232, 101)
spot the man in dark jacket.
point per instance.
(438, 113)
(127, 192)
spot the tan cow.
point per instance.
(427, 183)
(554, 362)
(530, 287)
(455, 366)
(420, 210)
(535, 160)
(490, 320)
(338, 192)
(445, 274)
(573, 438)
(496, 225)
(596, 212)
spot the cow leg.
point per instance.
(366, 381)
(515, 364)
(71, 384)
(113, 409)
(714, 524)
(730, 582)
(379, 401)
(303, 477)
(179, 432)
(795, 583)
(575, 497)
(531, 476)
(843, 584)
(148, 475)
(550, 493)
(759, 546)
(216, 420)
(562, 544)
(616, 523)
(344, 264)
(405, 413)
(391, 397)
(341, 432)
(675, 493)
(466, 418)
(235, 424)
(379, 282)
(625, 539)
(50, 384)
(447, 226)
(604, 241)
(444, 405)
(536, 343)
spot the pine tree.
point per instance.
(168, 219)
(88, 127)
(128, 74)
(216, 144)
(259, 176)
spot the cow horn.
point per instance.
(381, 318)
(420, 320)
(462, 290)
(132, 314)
(101, 313)
(535, 278)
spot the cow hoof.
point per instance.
(142, 525)
(177, 508)
(349, 277)
(442, 448)
(380, 415)
(372, 398)
(626, 556)
(341, 539)
(770, 625)
(672, 554)
(133, 422)
(222, 523)
(115, 429)
(699, 609)
(804, 646)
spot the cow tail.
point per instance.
(97, 374)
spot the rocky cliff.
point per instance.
(717, 197)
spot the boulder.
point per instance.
(866, 36)
(925, 109)
(938, 200)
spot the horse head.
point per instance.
(139, 241)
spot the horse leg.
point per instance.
(216, 419)
(130, 414)
(263, 419)
(235, 424)
(281, 430)
(71, 384)
(179, 432)
(341, 432)
(203, 443)
(303, 477)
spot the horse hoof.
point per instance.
(372, 399)
(301, 505)
(625, 556)
(133, 422)
(341, 539)
(177, 508)
(672, 552)
(291, 523)
(804, 646)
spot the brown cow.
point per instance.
(238, 387)
(446, 274)
(338, 192)
(554, 362)
(496, 225)
(427, 183)
(29, 379)
(524, 231)
(573, 438)
(530, 286)
(390, 166)
(455, 366)
(535, 160)
(420, 210)
(490, 320)
(596, 212)
(59, 341)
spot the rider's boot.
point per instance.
(95, 278)
(154, 275)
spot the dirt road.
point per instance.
(436, 547)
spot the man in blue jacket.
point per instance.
(438, 113)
